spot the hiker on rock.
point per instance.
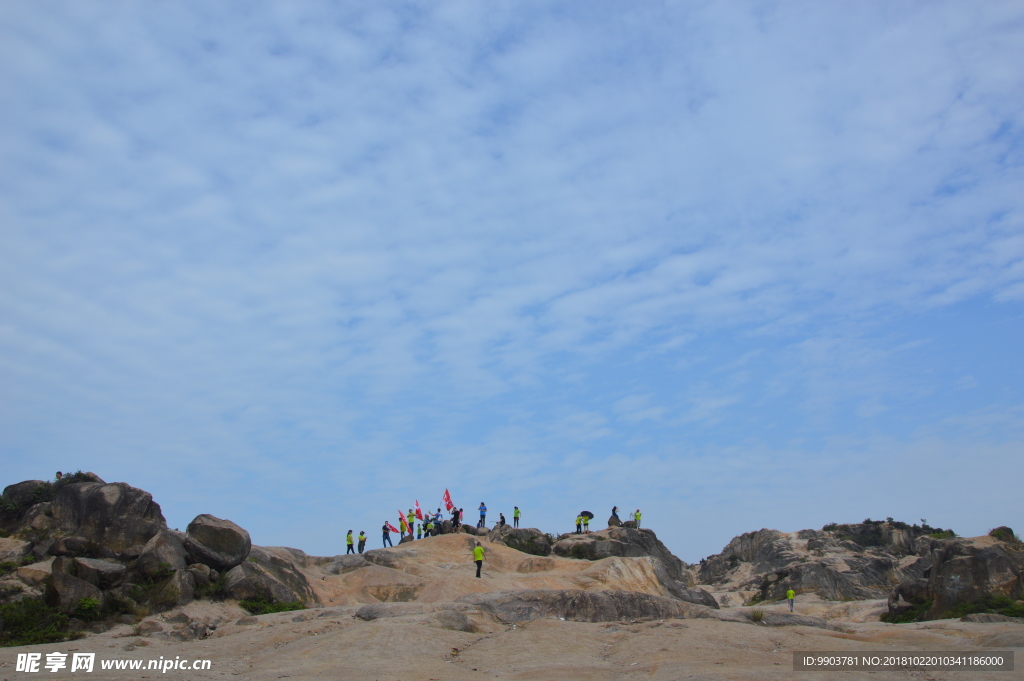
(411, 517)
(586, 523)
(419, 530)
(430, 528)
(615, 513)
(579, 524)
(501, 520)
(348, 542)
(483, 515)
(791, 596)
(456, 518)
(362, 540)
(478, 557)
(515, 516)
(636, 517)
(387, 534)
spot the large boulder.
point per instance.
(613, 521)
(66, 592)
(36, 574)
(114, 515)
(100, 573)
(221, 544)
(528, 540)
(161, 554)
(269, 574)
(70, 546)
(23, 494)
(179, 589)
(621, 541)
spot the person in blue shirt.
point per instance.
(483, 515)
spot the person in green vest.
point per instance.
(411, 517)
(348, 542)
(362, 540)
(430, 528)
(791, 596)
(636, 517)
(478, 556)
(419, 530)
(586, 524)
(515, 516)
(579, 524)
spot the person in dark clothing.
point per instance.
(387, 534)
(456, 518)
(501, 520)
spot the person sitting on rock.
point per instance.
(615, 512)
(349, 543)
(579, 524)
(501, 520)
(362, 540)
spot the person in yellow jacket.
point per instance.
(790, 596)
(478, 557)
(636, 517)
(348, 542)
(362, 540)
(411, 517)
(515, 517)
(579, 524)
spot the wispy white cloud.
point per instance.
(300, 239)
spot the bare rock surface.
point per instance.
(115, 515)
(164, 552)
(221, 544)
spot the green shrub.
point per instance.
(87, 610)
(261, 606)
(30, 621)
(1005, 534)
(757, 614)
(990, 603)
(214, 590)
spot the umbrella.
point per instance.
(588, 515)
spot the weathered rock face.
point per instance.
(13, 549)
(66, 592)
(69, 546)
(100, 573)
(614, 522)
(221, 544)
(269, 575)
(621, 541)
(528, 540)
(963, 571)
(179, 589)
(763, 548)
(162, 553)
(584, 606)
(114, 515)
(22, 493)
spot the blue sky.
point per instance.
(740, 265)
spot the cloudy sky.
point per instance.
(297, 264)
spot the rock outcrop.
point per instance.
(621, 541)
(962, 572)
(115, 515)
(221, 544)
(526, 539)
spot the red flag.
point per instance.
(392, 528)
(419, 513)
(447, 498)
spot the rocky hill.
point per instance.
(101, 554)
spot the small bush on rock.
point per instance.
(261, 606)
(87, 610)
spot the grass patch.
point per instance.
(30, 621)
(757, 615)
(996, 605)
(212, 590)
(261, 606)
